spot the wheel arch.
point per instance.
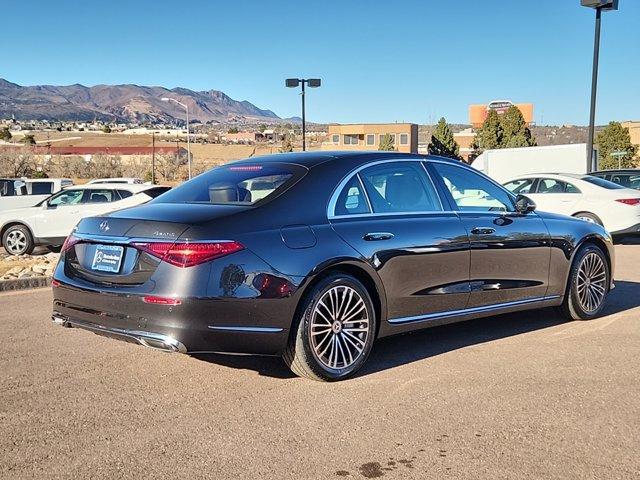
(575, 215)
(358, 269)
(12, 223)
(601, 243)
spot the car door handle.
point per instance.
(374, 236)
(483, 231)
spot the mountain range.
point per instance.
(122, 103)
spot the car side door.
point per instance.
(391, 213)
(510, 251)
(59, 214)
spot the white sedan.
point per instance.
(50, 222)
(583, 196)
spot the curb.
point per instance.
(24, 283)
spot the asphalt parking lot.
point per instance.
(525, 395)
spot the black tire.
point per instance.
(300, 355)
(572, 307)
(17, 240)
(588, 217)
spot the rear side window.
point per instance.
(352, 199)
(549, 185)
(400, 187)
(601, 182)
(124, 194)
(236, 184)
(157, 191)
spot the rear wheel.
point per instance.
(335, 333)
(588, 284)
(17, 240)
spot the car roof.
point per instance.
(617, 170)
(313, 158)
(132, 187)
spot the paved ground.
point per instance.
(515, 396)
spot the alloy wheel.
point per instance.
(339, 327)
(591, 282)
(16, 242)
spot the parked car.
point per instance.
(129, 180)
(49, 222)
(585, 197)
(344, 249)
(628, 177)
(25, 192)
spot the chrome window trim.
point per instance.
(470, 311)
(331, 208)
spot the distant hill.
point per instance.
(122, 103)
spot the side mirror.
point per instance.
(524, 204)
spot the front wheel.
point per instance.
(334, 335)
(589, 281)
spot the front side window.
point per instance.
(239, 184)
(522, 186)
(400, 187)
(472, 192)
(66, 197)
(352, 199)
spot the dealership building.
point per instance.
(478, 113)
(368, 136)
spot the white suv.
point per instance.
(51, 221)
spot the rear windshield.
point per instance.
(601, 182)
(236, 184)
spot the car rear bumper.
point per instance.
(197, 325)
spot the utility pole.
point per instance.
(598, 5)
(153, 158)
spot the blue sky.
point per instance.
(403, 60)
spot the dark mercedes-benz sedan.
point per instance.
(314, 256)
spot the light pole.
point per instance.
(186, 107)
(599, 6)
(313, 83)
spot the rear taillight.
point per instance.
(186, 254)
(629, 201)
(69, 242)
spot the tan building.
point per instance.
(367, 136)
(478, 113)
(465, 139)
(634, 132)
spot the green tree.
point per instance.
(387, 143)
(28, 140)
(442, 141)
(233, 130)
(515, 132)
(5, 134)
(489, 135)
(615, 138)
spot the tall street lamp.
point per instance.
(599, 6)
(313, 83)
(186, 107)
